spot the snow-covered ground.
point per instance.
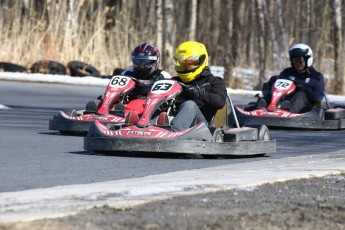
(245, 74)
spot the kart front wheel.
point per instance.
(263, 132)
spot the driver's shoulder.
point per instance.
(165, 74)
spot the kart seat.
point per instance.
(220, 119)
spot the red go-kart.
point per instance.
(149, 134)
(113, 108)
(274, 114)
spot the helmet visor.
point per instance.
(143, 62)
(295, 53)
(186, 65)
(297, 60)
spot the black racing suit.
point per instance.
(142, 89)
(214, 97)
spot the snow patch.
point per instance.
(48, 78)
(3, 107)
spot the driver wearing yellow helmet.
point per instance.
(204, 93)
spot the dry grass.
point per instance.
(25, 40)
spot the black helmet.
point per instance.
(145, 58)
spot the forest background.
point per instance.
(251, 34)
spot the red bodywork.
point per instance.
(162, 91)
(118, 87)
(281, 88)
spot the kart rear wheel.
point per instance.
(64, 132)
(218, 135)
(263, 132)
(335, 114)
(70, 112)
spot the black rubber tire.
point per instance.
(69, 112)
(81, 69)
(263, 132)
(339, 105)
(48, 67)
(335, 114)
(217, 135)
(10, 67)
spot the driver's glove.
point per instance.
(300, 87)
(194, 92)
(143, 87)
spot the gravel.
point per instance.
(316, 203)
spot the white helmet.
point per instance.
(302, 50)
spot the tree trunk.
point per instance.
(281, 25)
(215, 22)
(159, 24)
(261, 37)
(168, 38)
(193, 21)
(225, 40)
(276, 49)
(338, 48)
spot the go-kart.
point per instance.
(72, 121)
(148, 134)
(274, 114)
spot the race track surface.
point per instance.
(35, 158)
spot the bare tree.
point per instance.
(215, 23)
(338, 48)
(193, 22)
(281, 25)
(169, 35)
(159, 24)
(261, 37)
(276, 48)
(252, 34)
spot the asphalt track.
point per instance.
(32, 157)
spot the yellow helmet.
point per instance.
(189, 60)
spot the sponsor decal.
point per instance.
(270, 113)
(139, 133)
(93, 118)
(101, 118)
